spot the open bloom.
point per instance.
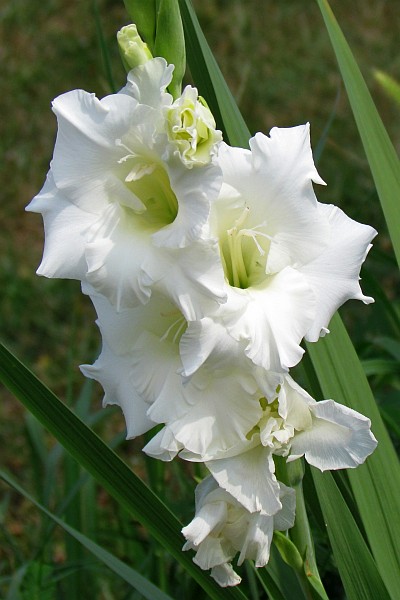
(233, 416)
(329, 436)
(289, 261)
(140, 368)
(121, 207)
(222, 528)
(287, 423)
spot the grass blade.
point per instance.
(105, 466)
(383, 160)
(137, 581)
(375, 484)
(358, 571)
(210, 80)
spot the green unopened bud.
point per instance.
(133, 50)
(288, 551)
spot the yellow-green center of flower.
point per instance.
(244, 252)
(272, 428)
(149, 182)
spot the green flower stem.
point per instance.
(300, 534)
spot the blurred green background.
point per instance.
(277, 59)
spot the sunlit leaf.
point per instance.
(358, 571)
(383, 160)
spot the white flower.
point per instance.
(222, 527)
(234, 417)
(289, 261)
(328, 434)
(121, 209)
(140, 368)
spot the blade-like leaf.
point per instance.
(383, 160)
(375, 485)
(137, 581)
(104, 465)
(210, 80)
(358, 571)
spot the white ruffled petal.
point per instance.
(114, 373)
(208, 339)
(163, 446)
(289, 155)
(274, 182)
(86, 153)
(273, 319)
(147, 83)
(115, 253)
(66, 228)
(192, 277)
(339, 438)
(219, 415)
(209, 517)
(258, 540)
(249, 477)
(208, 415)
(222, 527)
(284, 519)
(161, 385)
(334, 274)
(225, 576)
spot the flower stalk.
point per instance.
(301, 536)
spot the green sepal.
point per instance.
(288, 551)
(144, 14)
(170, 42)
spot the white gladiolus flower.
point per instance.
(329, 436)
(222, 528)
(289, 260)
(140, 369)
(207, 266)
(121, 208)
(234, 418)
(214, 428)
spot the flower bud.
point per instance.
(191, 129)
(134, 51)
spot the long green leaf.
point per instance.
(210, 80)
(382, 157)
(357, 569)
(104, 465)
(137, 581)
(376, 484)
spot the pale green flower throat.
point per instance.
(244, 252)
(149, 182)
